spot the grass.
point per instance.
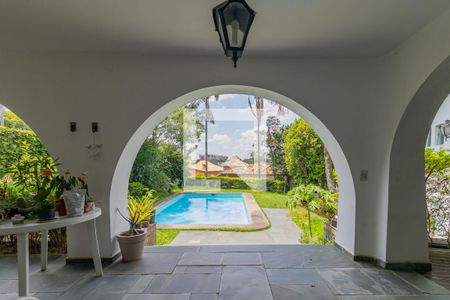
(166, 236)
(300, 218)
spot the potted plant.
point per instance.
(73, 192)
(132, 241)
(36, 176)
(89, 204)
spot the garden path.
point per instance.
(282, 231)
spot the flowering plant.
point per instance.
(36, 175)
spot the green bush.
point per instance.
(275, 186)
(15, 143)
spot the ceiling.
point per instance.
(282, 28)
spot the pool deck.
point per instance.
(257, 217)
(282, 231)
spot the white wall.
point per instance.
(360, 102)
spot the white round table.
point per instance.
(23, 230)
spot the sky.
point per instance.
(234, 129)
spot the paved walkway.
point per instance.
(229, 272)
(283, 231)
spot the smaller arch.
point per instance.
(345, 236)
(406, 233)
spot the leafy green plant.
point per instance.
(36, 175)
(314, 199)
(137, 189)
(140, 209)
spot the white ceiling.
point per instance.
(282, 28)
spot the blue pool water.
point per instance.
(193, 208)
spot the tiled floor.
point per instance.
(280, 272)
(282, 231)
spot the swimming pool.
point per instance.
(199, 208)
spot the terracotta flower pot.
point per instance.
(61, 207)
(132, 246)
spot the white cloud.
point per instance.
(220, 138)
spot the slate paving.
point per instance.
(226, 272)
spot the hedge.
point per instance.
(276, 186)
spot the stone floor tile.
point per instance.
(293, 276)
(105, 295)
(298, 292)
(421, 283)
(170, 249)
(241, 259)
(282, 259)
(198, 270)
(152, 263)
(157, 297)
(52, 283)
(184, 283)
(47, 296)
(8, 296)
(8, 286)
(398, 297)
(141, 284)
(204, 297)
(200, 259)
(244, 283)
(390, 283)
(350, 282)
(82, 288)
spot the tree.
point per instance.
(149, 167)
(16, 141)
(257, 110)
(171, 130)
(275, 146)
(304, 154)
(437, 185)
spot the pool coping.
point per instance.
(255, 214)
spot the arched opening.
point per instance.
(26, 182)
(119, 189)
(407, 238)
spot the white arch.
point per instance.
(407, 204)
(346, 229)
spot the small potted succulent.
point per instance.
(132, 241)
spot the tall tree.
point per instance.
(207, 118)
(275, 146)
(304, 154)
(258, 113)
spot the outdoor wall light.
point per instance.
(233, 19)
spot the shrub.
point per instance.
(275, 186)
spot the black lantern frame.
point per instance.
(221, 15)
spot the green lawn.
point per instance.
(166, 236)
(265, 199)
(300, 217)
